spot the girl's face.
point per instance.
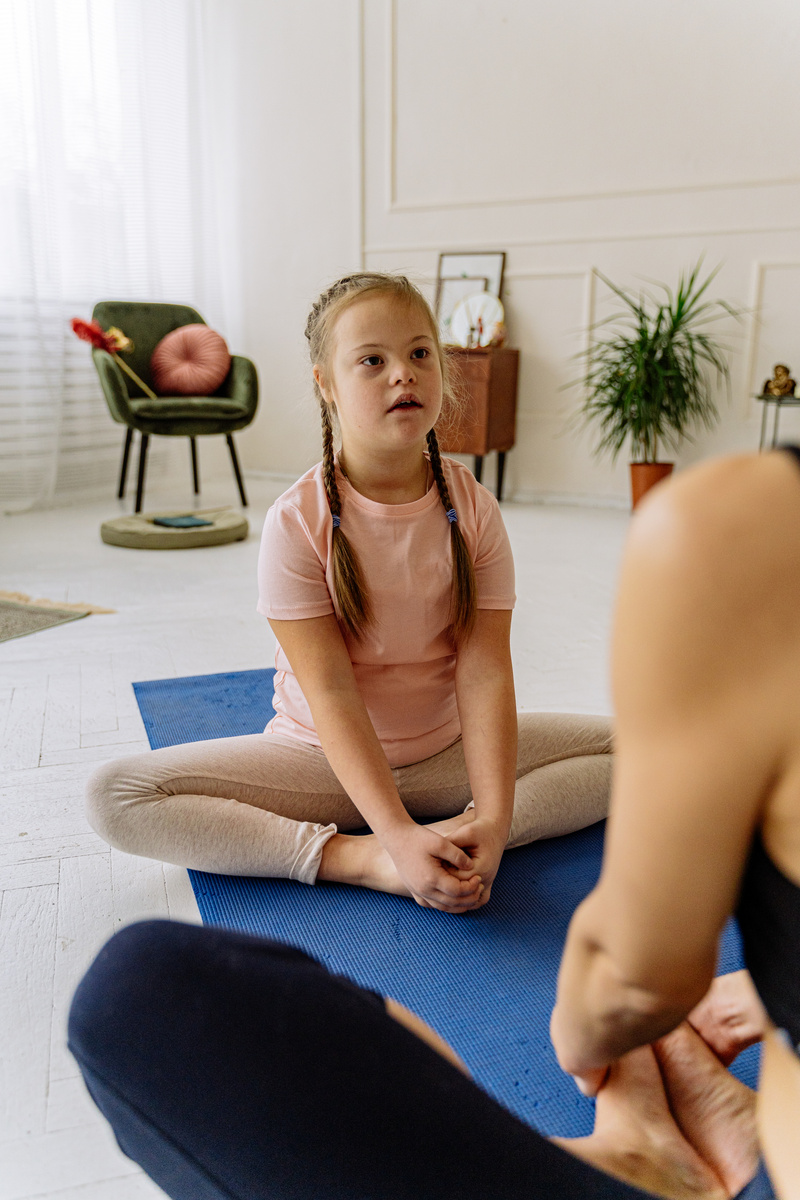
(384, 375)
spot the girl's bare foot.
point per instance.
(363, 862)
(360, 861)
(637, 1140)
(715, 1111)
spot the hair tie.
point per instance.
(336, 521)
(451, 516)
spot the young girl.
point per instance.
(387, 578)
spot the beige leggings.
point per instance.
(266, 805)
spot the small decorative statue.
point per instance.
(781, 384)
(498, 335)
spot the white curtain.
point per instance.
(107, 191)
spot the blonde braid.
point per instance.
(464, 593)
(328, 464)
(355, 612)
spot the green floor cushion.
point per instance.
(139, 531)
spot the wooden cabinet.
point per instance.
(487, 381)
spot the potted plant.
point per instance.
(655, 375)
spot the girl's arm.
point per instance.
(699, 666)
(318, 656)
(488, 714)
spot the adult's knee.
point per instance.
(158, 988)
(132, 995)
(100, 1010)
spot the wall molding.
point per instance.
(577, 197)
(588, 274)
(361, 136)
(287, 477)
(572, 499)
(578, 240)
(546, 273)
(391, 107)
(394, 205)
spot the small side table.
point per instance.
(488, 379)
(779, 402)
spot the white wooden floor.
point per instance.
(66, 702)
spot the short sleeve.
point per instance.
(291, 570)
(494, 562)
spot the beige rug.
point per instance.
(20, 615)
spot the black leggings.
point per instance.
(230, 1066)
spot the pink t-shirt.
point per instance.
(404, 665)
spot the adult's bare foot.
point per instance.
(637, 1140)
(714, 1110)
(730, 1016)
(363, 862)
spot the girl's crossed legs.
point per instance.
(266, 806)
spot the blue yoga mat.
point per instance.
(485, 980)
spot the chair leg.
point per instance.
(478, 472)
(123, 471)
(195, 476)
(236, 471)
(501, 466)
(142, 465)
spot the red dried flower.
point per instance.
(112, 340)
(90, 331)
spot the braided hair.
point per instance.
(464, 590)
(350, 589)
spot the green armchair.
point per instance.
(232, 406)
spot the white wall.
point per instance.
(298, 225)
(624, 137)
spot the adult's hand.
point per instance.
(484, 841)
(730, 1017)
(588, 1080)
(425, 861)
(591, 1083)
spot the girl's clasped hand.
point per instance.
(437, 872)
(454, 874)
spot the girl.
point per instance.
(386, 575)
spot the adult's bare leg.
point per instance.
(715, 1111)
(671, 1119)
(637, 1139)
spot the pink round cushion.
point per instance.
(190, 361)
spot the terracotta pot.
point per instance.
(647, 475)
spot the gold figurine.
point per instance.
(781, 384)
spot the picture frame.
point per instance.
(461, 273)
